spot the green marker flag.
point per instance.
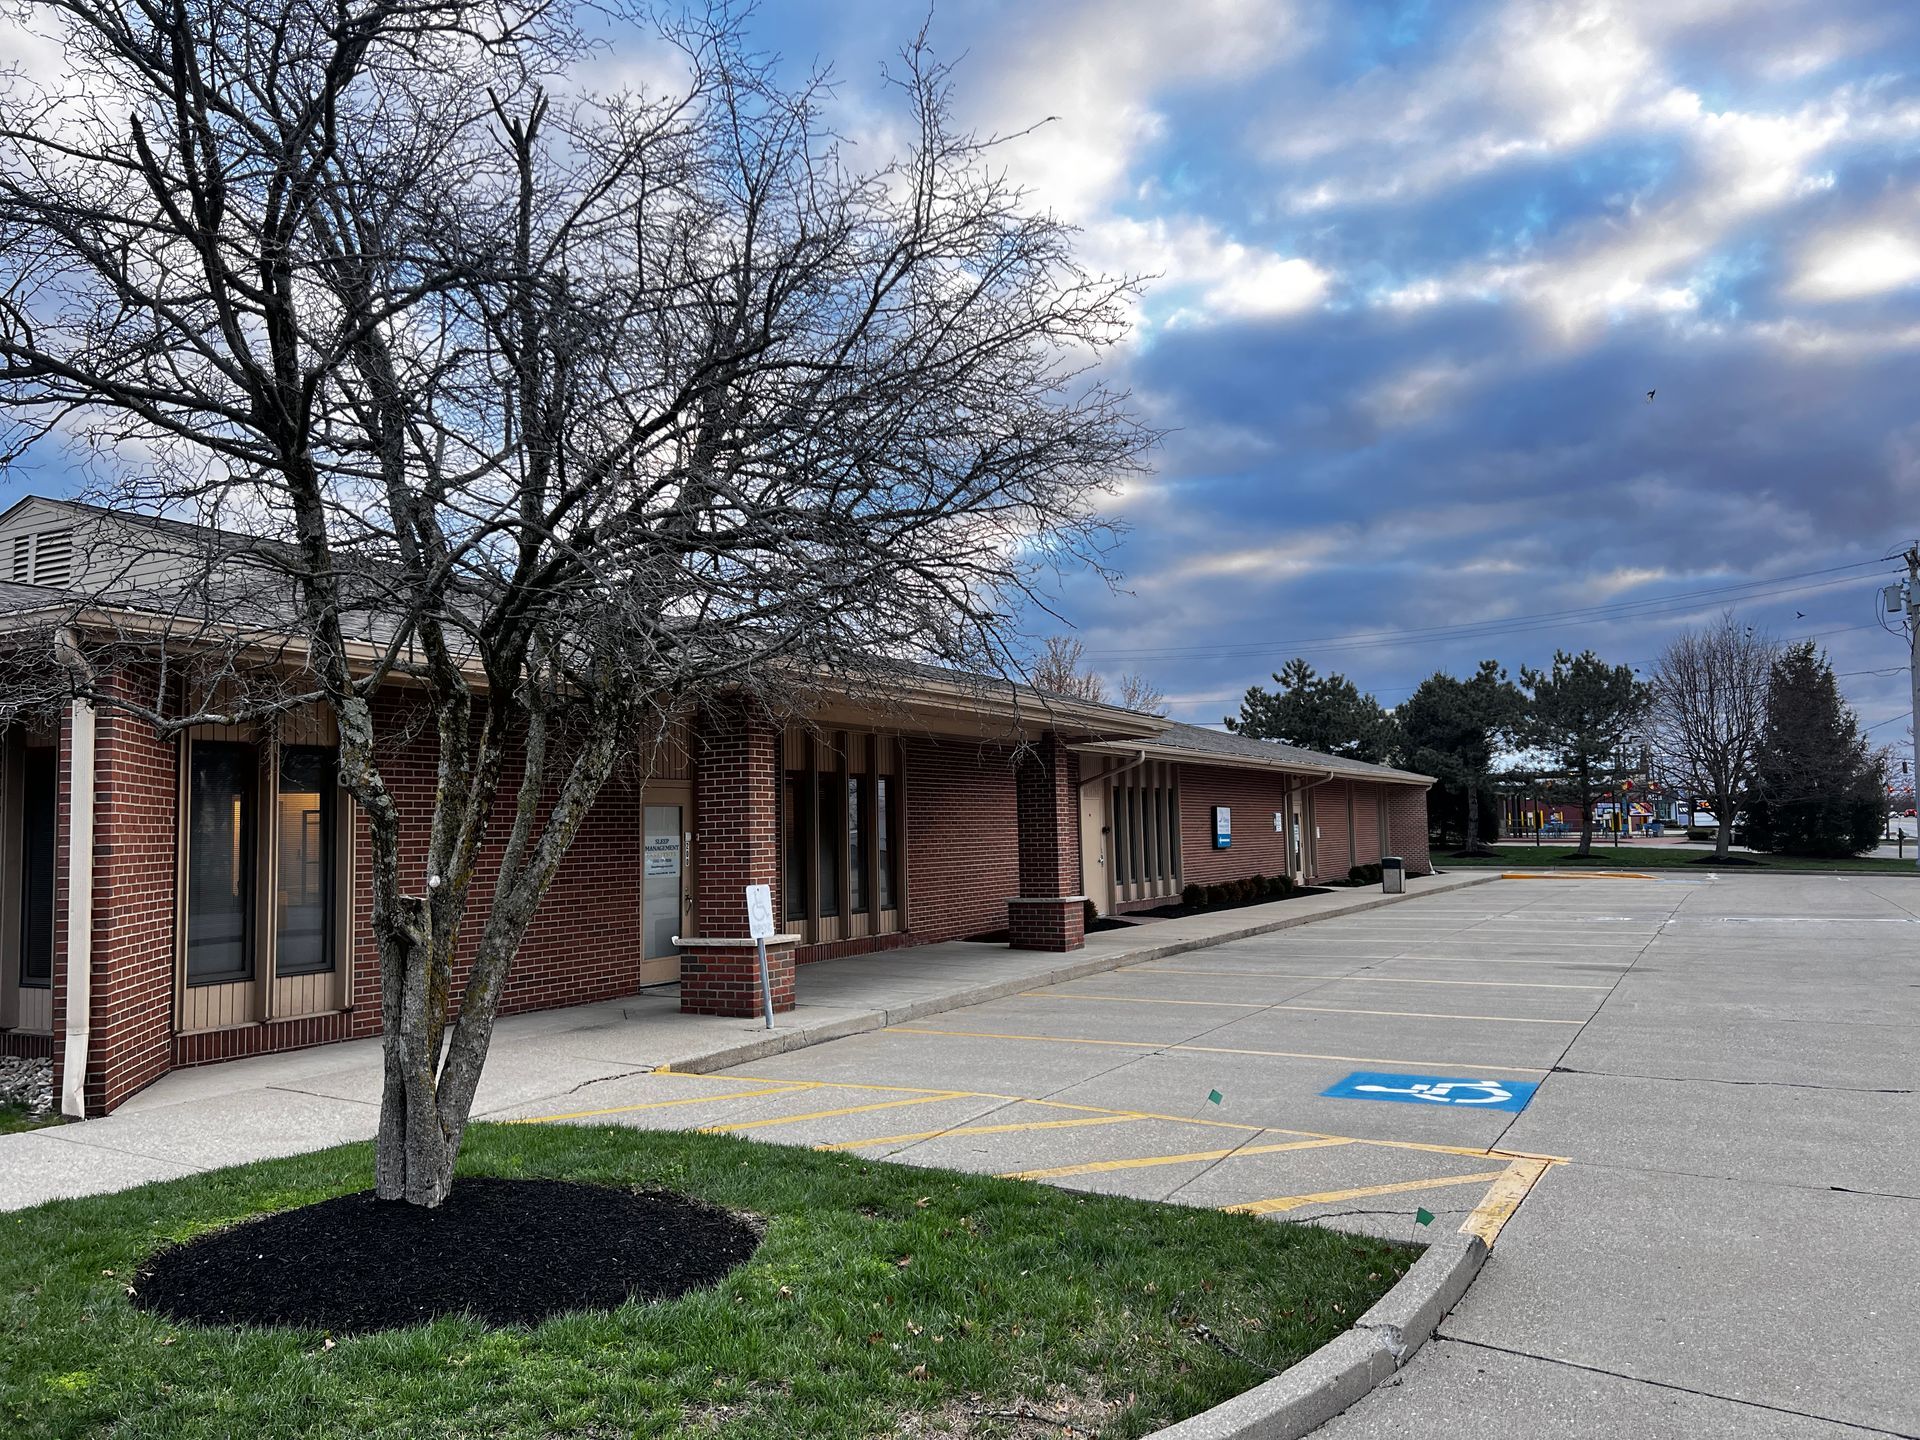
(1215, 1096)
(1423, 1217)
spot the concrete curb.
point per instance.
(783, 1043)
(1349, 1366)
(1731, 872)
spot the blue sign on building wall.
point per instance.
(1468, 1094)
(1222, 827)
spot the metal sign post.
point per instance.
(760, 927)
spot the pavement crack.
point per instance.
(1680, 1389)
(603, 1079)
(1716, 1080)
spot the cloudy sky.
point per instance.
(1419, 263)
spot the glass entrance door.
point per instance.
(664, 880)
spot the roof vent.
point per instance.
(43, 559)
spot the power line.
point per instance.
(1489, 629)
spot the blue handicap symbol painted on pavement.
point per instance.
(1435, 1090)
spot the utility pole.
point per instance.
(1913, 661)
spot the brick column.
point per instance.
(735, 800)
(1050, 912)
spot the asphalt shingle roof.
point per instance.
(1230, 747)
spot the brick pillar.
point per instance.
(1050, 912)
(735, 800)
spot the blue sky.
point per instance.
(1417, 264)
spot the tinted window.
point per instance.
(303, 891)
(220, 820)
(40, 807)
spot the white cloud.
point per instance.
(1099, 69)
(1844, 267)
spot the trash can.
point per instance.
(1393, 875)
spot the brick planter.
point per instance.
(1050, 922)
(722, 977)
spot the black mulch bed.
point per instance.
(1180, 912)
(1003, 937)
(1725, 861)
(508, 1252)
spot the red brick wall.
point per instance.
(134, 844)
(584, 942)
(1407, 827)
(1047, 811)
(1366, 821)
(1253, 796)
(963, 847)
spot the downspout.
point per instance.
(80, 815)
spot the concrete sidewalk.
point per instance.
(227, 1114)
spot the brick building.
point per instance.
(174, 902)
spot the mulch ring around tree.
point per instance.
(507, 1252)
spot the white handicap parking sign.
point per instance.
(1474, 1094)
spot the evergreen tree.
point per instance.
(1817, 789)
(1327, 713)
(1582, 713)
(1452, 729)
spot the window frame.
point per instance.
(821, 789)
(266, 993)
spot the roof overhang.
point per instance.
(984, 708)
(1189, 755)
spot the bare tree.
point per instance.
(574, 411)
(1139, 693)
(1058, 670)
(1709, 711)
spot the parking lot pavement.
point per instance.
(1730, 1251)
(1708, 1205)
(1199, 1078)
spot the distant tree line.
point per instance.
(1729, 717)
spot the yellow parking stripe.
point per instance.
(1145, 1162)
(1328, 1197)
(1223, 1050)
(830, 1114)
(1503, 1197)
(1307, 1009)
(1373, 979)
(784, 1088)
(1007, 1129)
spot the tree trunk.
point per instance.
(1723, 834)
(1473, 818)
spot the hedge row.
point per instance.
(1238, 892)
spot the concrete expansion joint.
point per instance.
(1353, 1363)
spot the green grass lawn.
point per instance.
(1641, 855)
(14, 1118)
(884, 1300)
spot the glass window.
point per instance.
(830, 831)
(793, 833)
(303, 893)
(220, 820)
(40, 809)
(883, 833)
(856, 846)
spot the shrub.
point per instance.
(1092, 914)
(1193, 896)
(1364, 875)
